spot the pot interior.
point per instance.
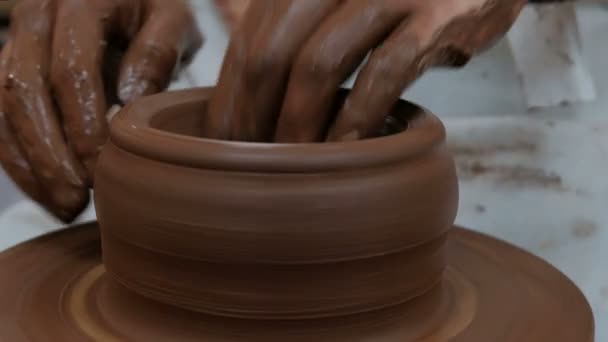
(186, 118)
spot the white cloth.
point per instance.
(536, 180)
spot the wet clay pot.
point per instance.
(273, 231)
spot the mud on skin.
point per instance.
(287, 59)
(53, 94)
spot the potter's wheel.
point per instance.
(55, 288)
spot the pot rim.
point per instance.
(132, 131)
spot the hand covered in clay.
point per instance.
(55, 93)
(232, 11)
(288, 58)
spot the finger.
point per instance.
(328, 58)
(489, 25)
(33, 119)
(271, 52)
(168, 36)
(228, 96)
(16, 166)
(389, 70)
(423, 40)
(12, 159)
(232, 11)
(79, 48)
(14, 162)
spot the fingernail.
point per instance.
(112, 112)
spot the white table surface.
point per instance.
(536, 179)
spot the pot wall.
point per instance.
(272, 244)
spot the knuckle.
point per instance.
(314, 66)
(183, 13)
(32, 16)
(159, 51)
(430, 20)
(383, 68)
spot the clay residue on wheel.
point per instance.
(583, 228)
(515, 175)
(479, 161)
(479, 150)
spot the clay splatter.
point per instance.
(480, 209)
(601, 128)
(511, 175)
(546, 245)
(584, 228)
(480, 151)
(474, 161)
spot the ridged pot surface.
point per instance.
(271, 231)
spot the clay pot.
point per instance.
(271, 231)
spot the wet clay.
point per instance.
(273, 211)
(54, 94)
(287, 59)
(345, 241)
(491, 291)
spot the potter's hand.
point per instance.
(288, 58)
(54, 94)
(232, 11)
